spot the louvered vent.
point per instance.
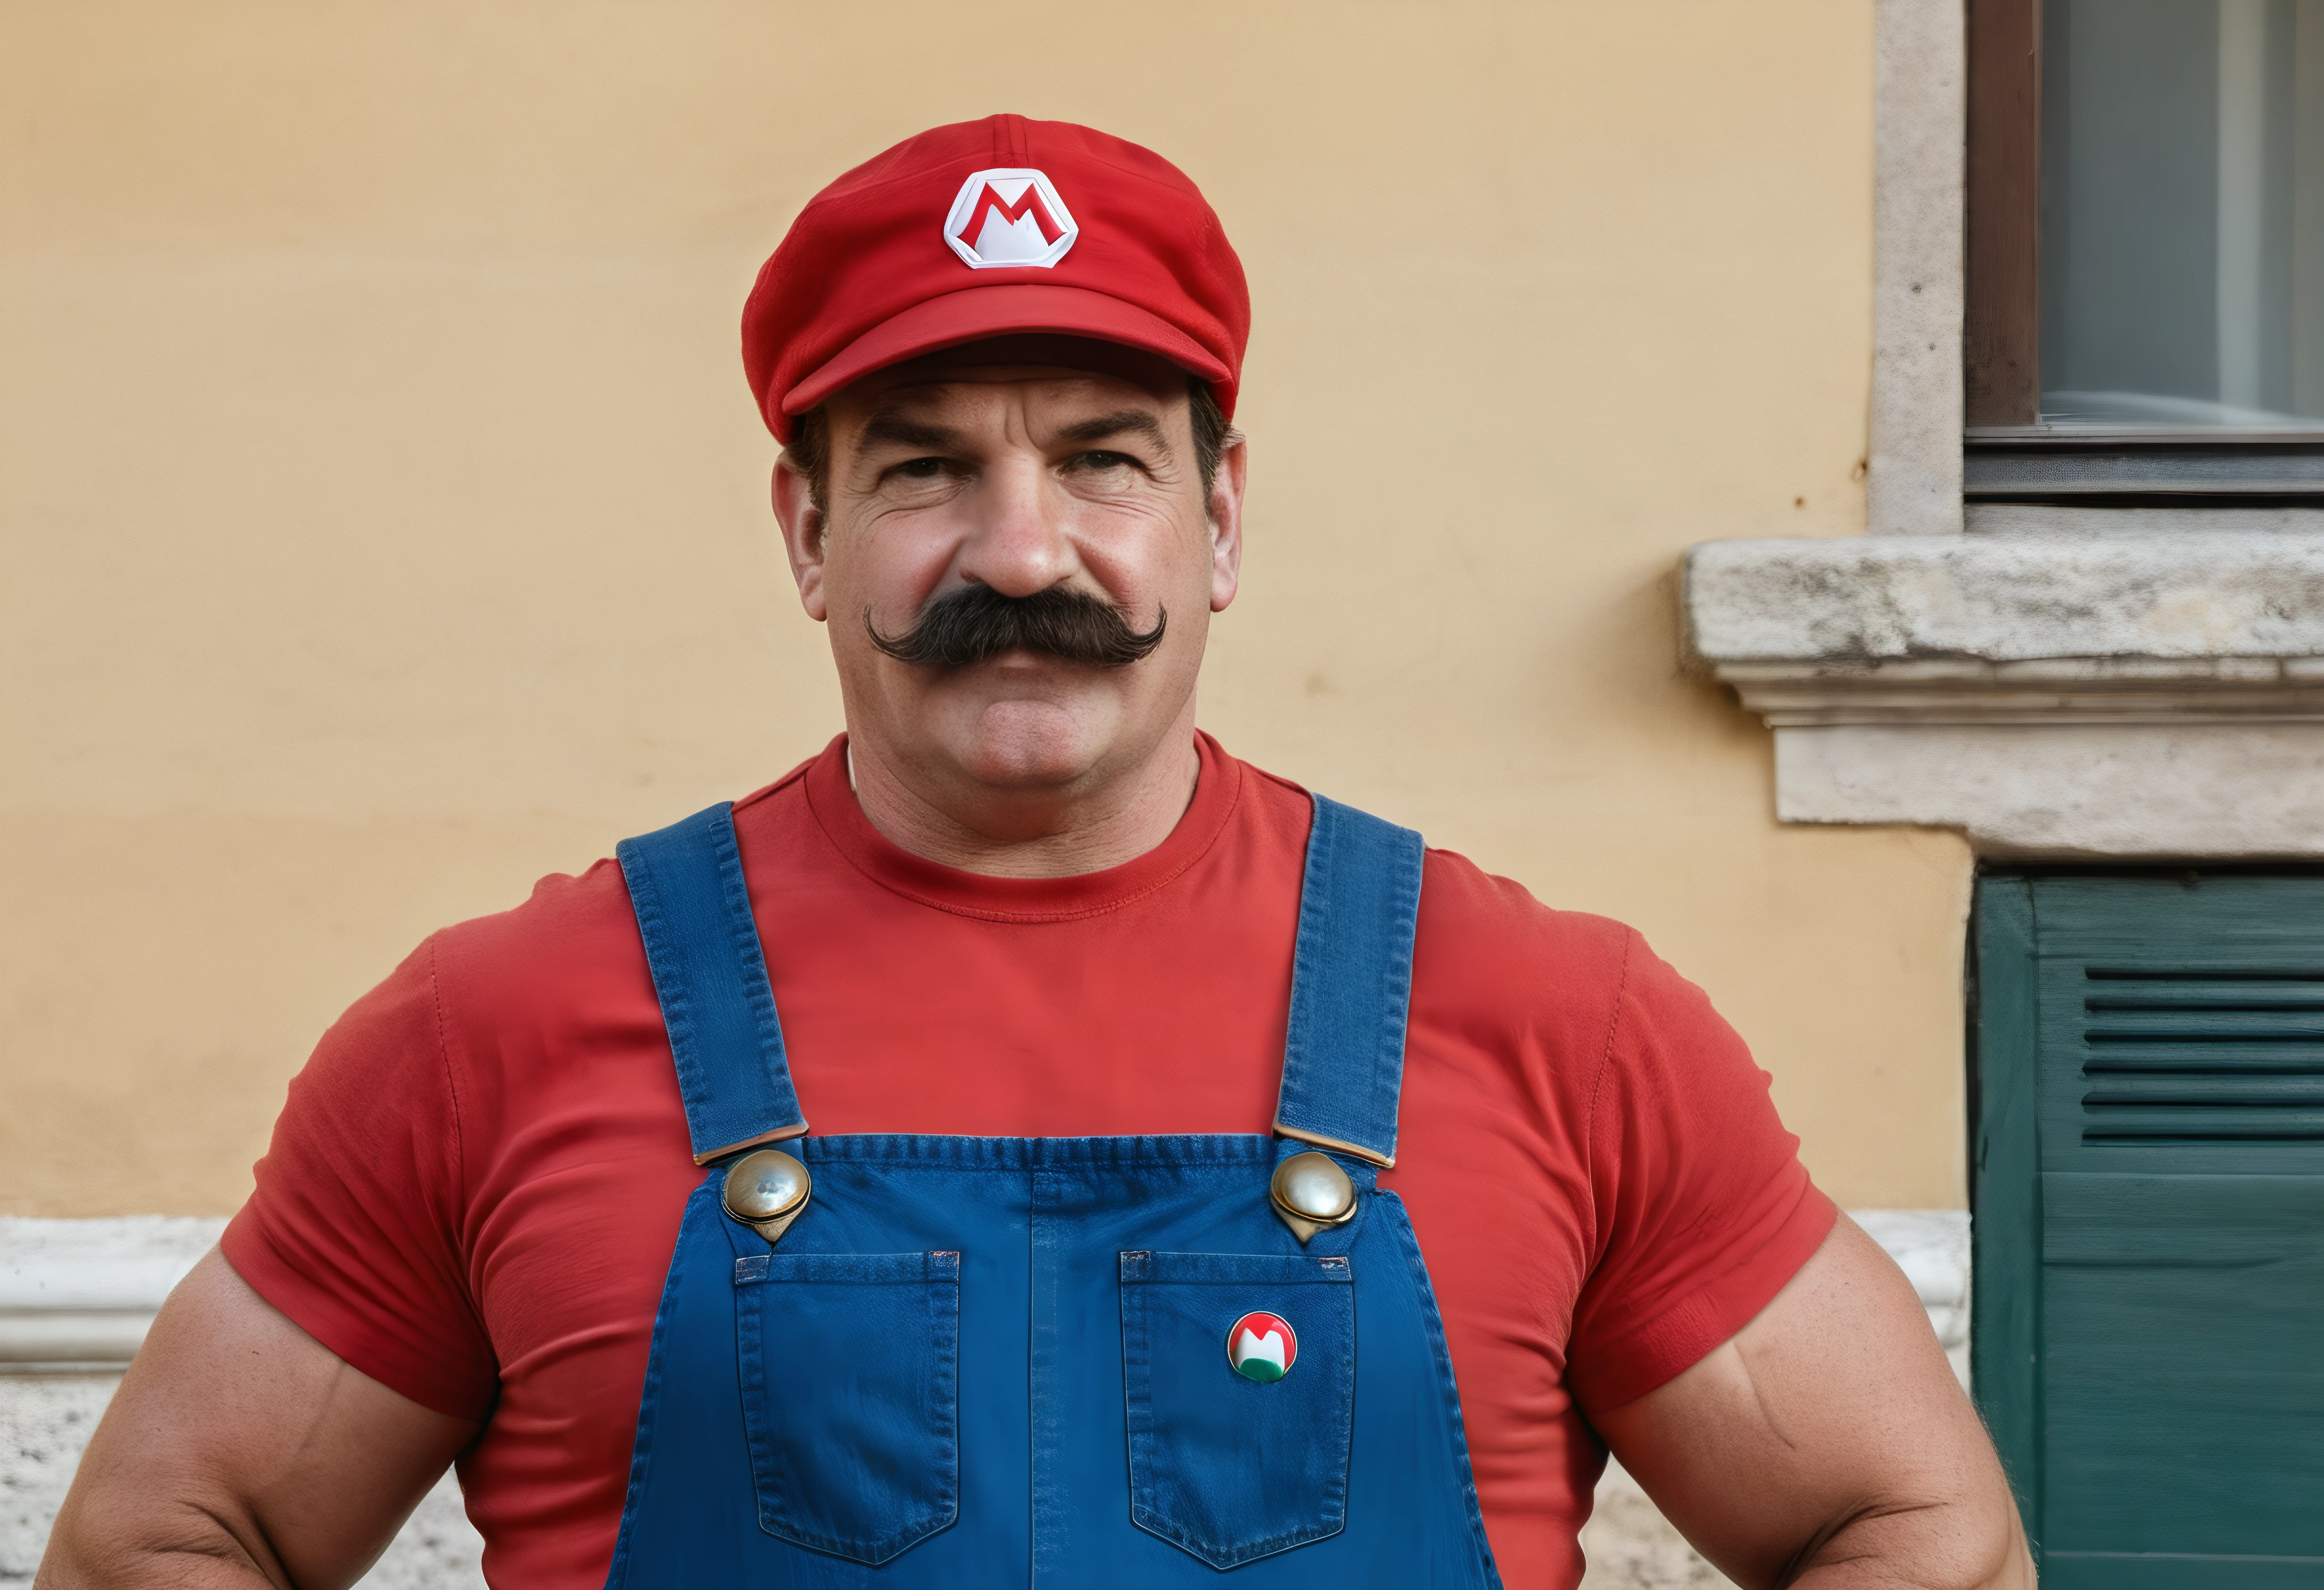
(2203, 1057)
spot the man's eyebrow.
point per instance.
(1103, 426)
(886, 425)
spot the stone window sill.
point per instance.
(2153, 693)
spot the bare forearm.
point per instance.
(1958, 1548)
(111, 1542)
(1827, 1445)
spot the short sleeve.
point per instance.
(353, 1230)
(1704, 1210)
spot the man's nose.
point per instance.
(1017, 542)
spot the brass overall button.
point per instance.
(1311, 1193)
(766, 1191)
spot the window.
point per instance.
(2146, 250)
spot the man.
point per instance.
(1204, 1181)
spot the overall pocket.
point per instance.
(851, 1396)
(1239, 1372)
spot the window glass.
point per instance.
(2182, 214)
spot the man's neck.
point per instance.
(1037, 832)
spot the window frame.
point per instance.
(2009, 455)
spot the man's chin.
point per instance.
(1033, 742)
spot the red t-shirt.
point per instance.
(473, 1192)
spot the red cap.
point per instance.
(985, 228)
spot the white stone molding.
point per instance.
(2208, 791)
(1913, 483)
(2156, 694)
(76, 1296)
(2040, 691)
(1876, 601)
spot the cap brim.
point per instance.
(978, 312)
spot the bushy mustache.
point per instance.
(975, 623)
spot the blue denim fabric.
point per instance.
(694, 913)
(871, 1342)
(1231, 1469)
(1043, 1430)
(1032, 1386)
(1351, 980)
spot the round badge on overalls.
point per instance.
(1262, 1346)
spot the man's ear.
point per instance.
(803, 526)
(1225, 513)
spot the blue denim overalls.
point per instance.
(1008, 1361)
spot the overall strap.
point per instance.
(694, 913)
(1351, 984)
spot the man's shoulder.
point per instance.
(1492, 923)
(575, 928)
(564, 912)
(1488, 940)
(1457, 895)
(1486, 946)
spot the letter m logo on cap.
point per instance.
(1009, 218)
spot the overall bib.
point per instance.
(1047, 1362)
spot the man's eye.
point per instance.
(920, 469)
(1103, 460)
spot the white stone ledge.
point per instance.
(2224, 791)
(68, 1341)
(1872, 599)
(2040, 690)
(2073, 693)
(78, 1295)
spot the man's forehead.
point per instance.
(1050, 385)
(1071, 365)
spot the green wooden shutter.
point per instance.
(2149, 1342)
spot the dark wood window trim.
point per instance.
(2002, 358)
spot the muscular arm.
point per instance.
(240, 1452)
(1828, 1444)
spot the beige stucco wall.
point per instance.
(385, 514)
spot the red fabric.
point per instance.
(865, 277)
(473, 1192)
